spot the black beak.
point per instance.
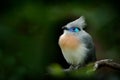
(64, 28)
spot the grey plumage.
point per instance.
(91, 48)
(85, 52)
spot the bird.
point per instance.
(76, 44)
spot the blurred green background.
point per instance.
(29, 32)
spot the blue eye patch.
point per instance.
(74, 29)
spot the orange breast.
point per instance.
(68, 42)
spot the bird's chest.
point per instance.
(73, 50)
(69, 42)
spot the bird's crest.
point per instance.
(80, 22)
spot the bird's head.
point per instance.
(75, 26)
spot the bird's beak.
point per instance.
(64, 28)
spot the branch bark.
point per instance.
(107, 63)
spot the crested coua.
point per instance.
(76, 44)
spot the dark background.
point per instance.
(30, 29)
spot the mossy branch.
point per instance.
(88, 70)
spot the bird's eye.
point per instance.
(74, 29)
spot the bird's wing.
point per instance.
(91, 48)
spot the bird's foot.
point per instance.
(72, 67)
(69, 69)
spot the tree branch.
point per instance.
(106, 63)
(57, 70)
